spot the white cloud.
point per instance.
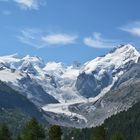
(31, 37)
(132, 28)
(62, 39)
(30, 4)
(96, 41)
(39, 39)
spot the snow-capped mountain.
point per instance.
(104, 71)
(54, 79)
(62, 90)
(113, 60)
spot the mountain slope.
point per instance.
(16, 110)
(103, 71)
(124, 94)
(125, 122)
(10, 99)
(110, 99)
(26, 85)
(54, 81)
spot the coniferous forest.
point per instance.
(123, 126)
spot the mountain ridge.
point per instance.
(60, 89)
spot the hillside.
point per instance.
(125, 122)
(16, 109)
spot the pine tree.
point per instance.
(5, 133)
(33, 131)
(138, 137)
(18, 137)
(55, 132)
(117, 136)
(99, 133)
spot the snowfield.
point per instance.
(112, 60)
(8, 76)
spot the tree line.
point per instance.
(33, 130)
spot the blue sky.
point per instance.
(67, 30)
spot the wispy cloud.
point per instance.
(96, 41)
(132, 28)
(28, 4)
(31, 37)
(39, 39)
(62, 39)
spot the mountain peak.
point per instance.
(32, 58)
(127, 51)
(114, 59)
(124, 48)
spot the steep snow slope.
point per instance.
(55, 79)
(103, 71)
(8, 76)
(62, 82)
(112, 61)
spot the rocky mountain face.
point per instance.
(12, 101)
(103, 71)
(40, 82)
(111, 103)
(77, 95)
